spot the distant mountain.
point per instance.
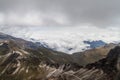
(95, 44)
(86, 45)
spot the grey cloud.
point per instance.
(78, 12)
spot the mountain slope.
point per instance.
(92, 55)
(107, 68)
(20, 62)
(80, 58)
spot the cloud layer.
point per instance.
(63, 39)
(100, 13)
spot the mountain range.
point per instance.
(98, 50)
(25, 60)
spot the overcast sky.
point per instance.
(99, 13)
(62, 23)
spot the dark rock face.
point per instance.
(114, 53)
(65, 67)
(110, 64)
(72, 66)
(4, 49)
(10, 59)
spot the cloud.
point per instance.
(63, 39)
(31, 12)
(62, 23)
(32, 18)
(100, 13)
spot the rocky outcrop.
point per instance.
(16, 62)
(104, 69)
(110, 65)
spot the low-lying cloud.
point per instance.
(63, 39)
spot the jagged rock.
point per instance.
(110, 65)
(104, 69)
(4, 48)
